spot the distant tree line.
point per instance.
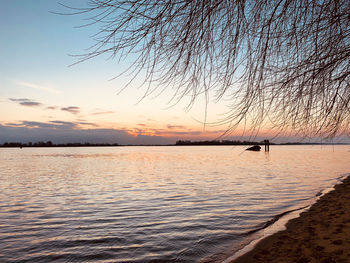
(217, 142)
(178, 143)
(50, 144)
(237, 142)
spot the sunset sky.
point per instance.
(42, 97)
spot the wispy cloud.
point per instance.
(26, 102)
(52, 107)
(71, 109)
(32, 103)
(13, 124)
(50, 124)
(37, 87)
(102, 112)
(87, 123)
(65, 132)
(56, 124)
(173, 133)
(175, 126)
(64, 123)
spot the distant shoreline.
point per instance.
(178, 143)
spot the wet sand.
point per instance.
(319, 235)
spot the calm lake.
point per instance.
(152, 204)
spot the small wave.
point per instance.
(250, 244)
(342, 177)
(69, 257)
(273, 220)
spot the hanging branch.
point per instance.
(286, 61)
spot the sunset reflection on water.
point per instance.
(137, 204)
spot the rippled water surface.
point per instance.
(144, 204)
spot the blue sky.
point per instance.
(38, 85)
(43, 98)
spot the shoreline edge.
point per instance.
(320, 234)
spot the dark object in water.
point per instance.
(254, 148)
(267, 145)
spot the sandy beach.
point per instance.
(319, 235)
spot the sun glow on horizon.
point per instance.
(41, 96)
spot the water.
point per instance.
(151, 204)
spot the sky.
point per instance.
(43, 97)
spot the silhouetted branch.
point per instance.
(286, 61)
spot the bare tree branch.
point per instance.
(285, 61)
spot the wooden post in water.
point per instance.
(267, 145)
